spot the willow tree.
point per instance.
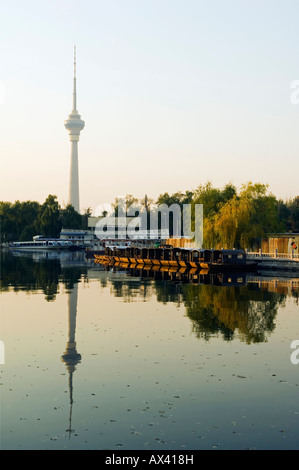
(212, 198)
(249, 215)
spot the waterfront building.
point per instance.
(286, 243)
(77, 236)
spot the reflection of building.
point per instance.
(71, 357)
(285, 286)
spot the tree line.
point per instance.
(235, 219)
(20, 221)
(232, 218)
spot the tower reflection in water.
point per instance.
(71, 357)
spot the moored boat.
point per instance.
(213, 260)
(39, 242)
(36, 245)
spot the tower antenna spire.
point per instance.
(75, 79)
(74, 60)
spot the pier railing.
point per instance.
(274, 255)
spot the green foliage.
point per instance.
(235, 219)
(176, 198)
(232, 219)
(246, 216)
(125, 203)
(212, 198)
(48, 222)
(17, 219)
(22, 220)
(289, 213)
(70, 218)
(84, 219)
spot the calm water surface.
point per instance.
(127, 360)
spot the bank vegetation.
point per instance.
(232, 218)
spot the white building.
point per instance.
(77, 237)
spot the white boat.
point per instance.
(36, 245)
(71, 240)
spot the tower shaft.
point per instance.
(74, 177)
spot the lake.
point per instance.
(108, 358)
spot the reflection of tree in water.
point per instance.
(22, 273)
(224, 310)
(212, 309)
(248, 310)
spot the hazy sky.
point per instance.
(174, 93)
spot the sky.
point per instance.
(174, 93)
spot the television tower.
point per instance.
(74, 125)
